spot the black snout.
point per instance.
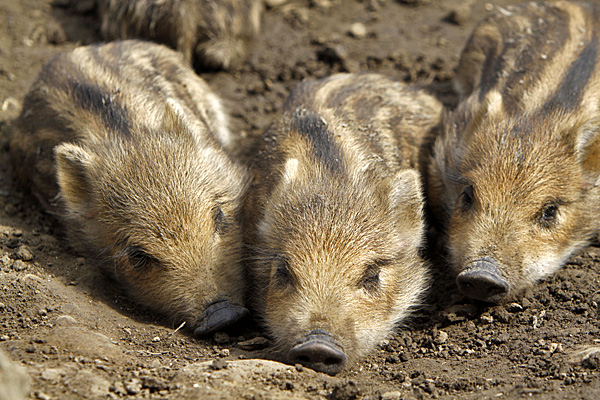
(218, 316)
(319, 352)
(482, 281)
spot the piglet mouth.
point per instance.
(482, 280)
(319, 351)
(218, 315)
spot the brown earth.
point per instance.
(77, 335)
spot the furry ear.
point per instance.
(172, 121)
(72, 166)
(588, 149)
(406, 201)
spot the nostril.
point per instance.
(302, 359)
(332, 361)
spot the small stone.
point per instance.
(321, 3)
(41, 395)
(65, 320)
(13, 242)
(514, 307)
(256, 343)
(357, 30)
(42, 312)
(156, 339)
(118, 388)
(441, 337)
(221, 338)
(461, 14)
(218, 364)
(486, 318)
(299, 367)
(4, 338)
(394, 395)
(24, 253)
(489, 7)
(19, 266)
(133, 386)
(6, 262)
(275, 3)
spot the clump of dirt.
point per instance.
(77, 335)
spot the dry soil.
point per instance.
(77, 335)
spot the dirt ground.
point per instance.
(77, 335)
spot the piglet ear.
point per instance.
(588, 148)
(407, 207)
(73, 164)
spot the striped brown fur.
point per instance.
(514, 174)
(127, 147)
(212, 33)
(334, 216)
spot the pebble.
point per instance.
(65, 320)
(133, 386)
(321, 3)
(19, 266)
(358, 30)
(24, 253)
(156, 339)
(441, 337)
(394, 395)
(461, 14)
(275, 3)
(486, 318)
(256, 343)
(218, 365)
(6, 262)
(42, 396)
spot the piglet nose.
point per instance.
(482, 281)
(319, 352)
(218, 316)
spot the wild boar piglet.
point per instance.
(514, 175)
(127, 146)
(212, 33)
(334, 217)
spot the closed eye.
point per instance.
(139, 258)
(370, 280)
(222, 222)
(283, 274)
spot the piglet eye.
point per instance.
(466, 198)
(139, 258)
(283, 275)
(221, 221)
(370, 279)
(548, 214)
